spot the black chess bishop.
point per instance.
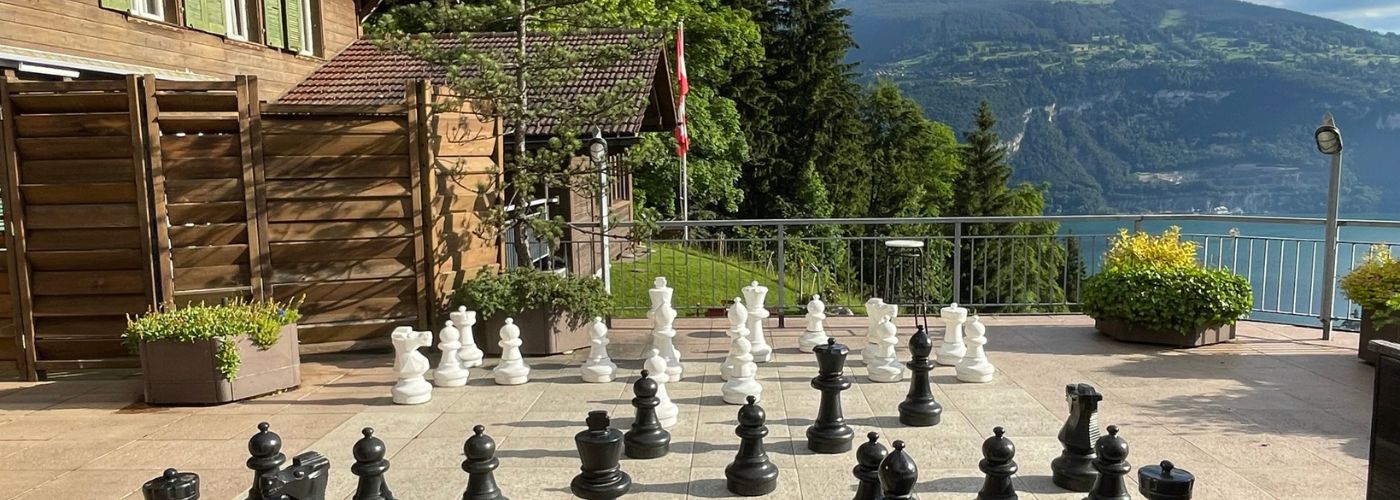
(867, 469)
(898, 474)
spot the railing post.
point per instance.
(1137, 225)
(957, 262)
(782, 279)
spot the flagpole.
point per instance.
(685, 200)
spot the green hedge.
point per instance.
(523, 288)
(1181, 299)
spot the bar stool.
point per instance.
(906, 270)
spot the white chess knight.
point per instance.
(884, 365)
(667, 412)
(754, 295)
(738, 317)
(952, 350)
(464, 320)
(975, 367)
(599, 367)
(449, 372)
(815, 332)
(875, 312)
(410, 366)
(741, 383)
(512, 369)
(663, 335)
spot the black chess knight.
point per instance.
(830, 434)
(1113, 467)
(1074, 469)
(919, 408)
(751, 474)
(999, 464)
(646, 439)
(867, 470)
(480, 466)
(600, 450)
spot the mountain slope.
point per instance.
(1152, 105)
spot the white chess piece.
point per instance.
(410, 365)
(975, 367)
(815, 333)
(667, 412)
(738, 316)
(599, 367)
(512, 369)
(754, 295)
(449, 372)
(662, 317)
(741, 384)
(874, 314)
(952, 350)
(469, 354)
(884, 365)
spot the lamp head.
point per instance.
(1328, 136)
(598, 148)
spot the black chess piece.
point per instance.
(1074, 469)
(1165, 482)
(830, 434)
(370, 467)
(600, 449)
(481, 461)
(919, 409)
(267, 458)
(867, 470)
(999, 464)
(306, 479)
(898, 474)
(172, 485)
(751, 474)
(646, 439)
(1112, 464)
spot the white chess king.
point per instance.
(667, 412)
(469, 354)
(975, 367)
(663, 317)
(738, 317)
(599, 367)
(449, 372)
(884, 365)
(952, 350)
(512, 369)
(410, 365)
(815, 332)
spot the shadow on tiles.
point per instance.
(965, 484)
(537, 453)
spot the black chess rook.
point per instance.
(829, 433)
(919, 408)
(998, 464)
(480, 466)
(867, 469)
(1165, 482)
(1113, 467)
(172, 485)
(646, 439)
(1074, 469)
(370, 467)
(600, 450)
(751, 474)
(898, 474)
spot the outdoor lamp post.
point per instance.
(598, 154)
(1329, 142)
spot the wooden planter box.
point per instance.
(1125, 332)
(540, 335)
(1370, 332)
(187, 373)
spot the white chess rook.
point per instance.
(754, 295)
(741, 384)
(599, 367)
(469, 354)
(667, 412)
(738, 316)
(815, 332)
(952, 350)
(663, 317)
(449, 372)
(975, 367)
(410, 365)
(512, 369)
(884, 365)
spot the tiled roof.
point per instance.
(364, 74)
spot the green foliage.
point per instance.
(1142, 249)
(525, 288)
(227, 323)
(1375, 285)
(1179, 299)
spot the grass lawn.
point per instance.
(701, 280)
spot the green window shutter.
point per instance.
(294, 27)
(272, 23)
(215, 19)
(194, 14)
(122, 5)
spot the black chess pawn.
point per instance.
(1112, 464)
(267, 458)
(898, 474)
(370, 466)
(646, 439)
(1074, 469)
(1165, 482)
(751, 474)
(172, 485)
(999, 464)
(830, 434)
(867, 470)
(919, 409)
(600, 449)
(480, 465)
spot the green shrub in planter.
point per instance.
(1375, 285)
(260, 321)
(524, 288)
(1179, 299)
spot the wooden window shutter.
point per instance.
(294, 28)
(194, 14)
(122, 5)
(272, 24)
(215, 18)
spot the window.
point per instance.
(291, 25)
(151, 9)
(236, 13)
(308, 33)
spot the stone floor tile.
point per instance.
(710, 483)
(59, 455)
(1312, 482)
(386, 425)
(1256, 451)
(459, 425)
(88, 485)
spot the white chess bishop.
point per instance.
(410, 366)
(884, 365)
(512, 369)
(449, 372)
(975, 367)
(667, 412)
(738, 316)
(754, 295)
(469, 354)
(875, 312)
(815, 332)
(599, 367)
(663, 335)
(952, 350)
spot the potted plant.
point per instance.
(201, 354)
(551, 309)
(1375, 286)
(1153, 291)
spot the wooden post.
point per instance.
(415, 96)
(139, 166)
(427, 166)
(251, 207)
(21, 296)
(261, 267)
(164, 266)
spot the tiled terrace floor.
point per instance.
(1272, 415)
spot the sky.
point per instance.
(1379, 15)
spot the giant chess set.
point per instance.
(1093, 461)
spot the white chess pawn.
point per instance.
(738, 316)
(599, 367)
(464, 320)
(741, 384)
(884, 365)
(662, 317)
(815, 333)
(667, 412)
(410, 365)
(512, 369)
(874, 315)
(952, 350)
(975, 367)
(449, 372)
(754, 295)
